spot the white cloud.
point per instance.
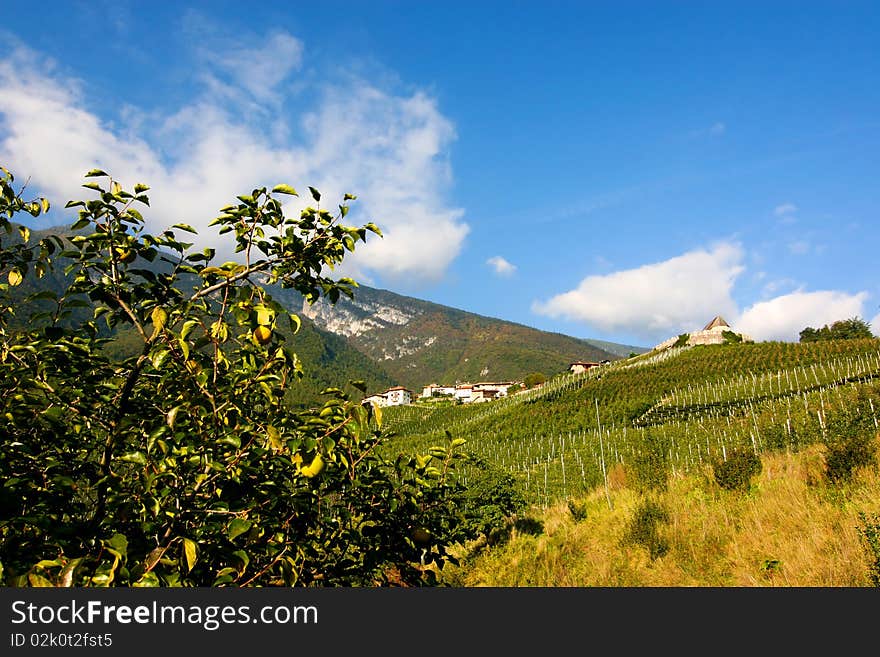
(233, 135)
(784, 317)
(656, 300)
(785, 209)
(501, 266)
(875, 325)
(259, 69)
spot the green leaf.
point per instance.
(295, 322)
(237, 527)
(140, 188)
(284, 189)
(188, 326)
(94, 173)
(25, 233)
(119, 543)
(189, 553)
(315, 193)
(186, 227)
(134, 457)
(159, 357)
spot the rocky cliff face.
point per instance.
(356, 317)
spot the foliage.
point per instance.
(736, 471)
(849, 442)
(730, 337)
(533, 379)
(491, 498)
(869, 532)
(650, 466)
(682, 340)
(854, 328)
(578, 510)
(644, 528)
(182, 464)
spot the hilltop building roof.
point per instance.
(715, 323)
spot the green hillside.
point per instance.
(698, 402)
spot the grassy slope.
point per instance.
(791, 529)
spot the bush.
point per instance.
(491, 498)
(643, 529)
(731, 338)
(578, 510)
(849, 443)
(737, 471)
(650, 467)
(682, 340)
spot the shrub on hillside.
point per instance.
(849, 443)
(578, 510)
(736, 472)
(644, 529)
(490, 499)
(650, 467)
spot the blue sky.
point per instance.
(621, 170)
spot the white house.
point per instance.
(435, 390)
(376, 400)
(398, 396)
(464, 392)
(395, 396)
(492, 390)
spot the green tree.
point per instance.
(534, 379)
(853, 328)
(182, 464)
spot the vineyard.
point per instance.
(699, 403)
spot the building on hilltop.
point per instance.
(717, 331)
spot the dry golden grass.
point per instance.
(792, 529)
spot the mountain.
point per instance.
(419, 342)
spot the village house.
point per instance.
(435, 390)
(394, 396)
(581, 366)
(491, 390)
(464, 392)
